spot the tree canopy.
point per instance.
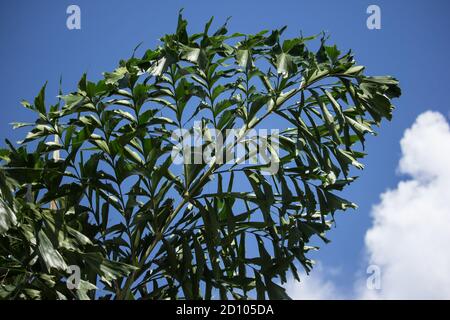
(94, 184)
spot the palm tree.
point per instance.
(138, 224)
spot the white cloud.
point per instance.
(316, 286)
(410, 237)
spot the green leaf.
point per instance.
(52, 258)
(285, 65)
(39, 101)
(115, 76)
(244, 58)
(7, 217)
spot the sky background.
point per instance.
(412, 45)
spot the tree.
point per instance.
(113, 202)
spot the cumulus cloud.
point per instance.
(319, 285)
(410, 235)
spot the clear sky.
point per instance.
(412, 45)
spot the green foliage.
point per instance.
(139, 226)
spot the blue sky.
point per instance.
(412, 45)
